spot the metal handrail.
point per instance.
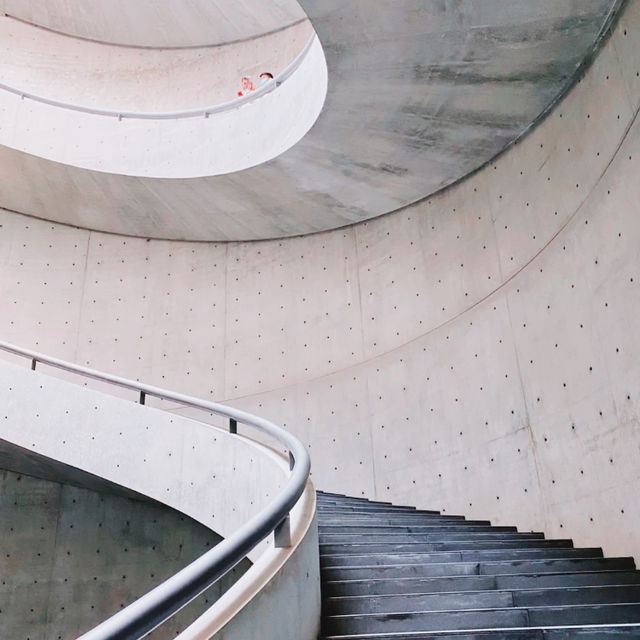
(174, 115)
(159, 604)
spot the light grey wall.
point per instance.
(476, 352)
(70, 556)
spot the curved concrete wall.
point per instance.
(72, 556)
(248, 134)
(147, 23)
(474, 352)
(99, 76)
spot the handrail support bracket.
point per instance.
(282, 533)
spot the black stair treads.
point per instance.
(482, 618)
(485, 534)
(509, 567)
(396, 573)
(351, 560)
(599, 632)
(392, 519)
(460, 545)
(488, 599)
(477, 583)
(435, 527)
(369, 511)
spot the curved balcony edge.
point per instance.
(205, 112)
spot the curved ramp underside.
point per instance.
(179, 24)
(77, 548)
(400, 122)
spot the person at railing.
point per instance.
(265, 77)
(247, 86)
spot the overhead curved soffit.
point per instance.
(148, 23)
(176, 115)
(420, 95)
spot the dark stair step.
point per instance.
(451, 536)
(482, 568)
(481, 618)
(431, 621)
(584, 614)
(355, 502)
(467, 525)
(599, 632)
(336, 504)
(340, 496)
(477, 583)
(608, 594)
(603, 633)
(409, 603)
(462, 545)
(386, 518)
(481, 599)
(385, 559)
(329, 510)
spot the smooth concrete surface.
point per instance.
(420, 94)
(289, 584)
(187, 465)
(216, 478)
(93, 75)
(19, 460)
(152, 24)
(227, 141)
(71, 556)
(475, 353)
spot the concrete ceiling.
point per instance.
(421, 93)
(149, 23)
(94, 75)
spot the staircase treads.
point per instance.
(454, 536)
(436, 527)
(509, 567)
(481, 618)
(398, 573)
(392, 519)
(352, 560)
(355, 548)
(608, 594)
(597, 632)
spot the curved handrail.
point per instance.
(159, 604)
(174, 115)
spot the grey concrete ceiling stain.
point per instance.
(421, 93)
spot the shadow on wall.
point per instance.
(73, 556)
